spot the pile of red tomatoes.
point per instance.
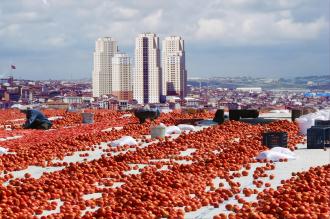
(305, 195)
(164, 188)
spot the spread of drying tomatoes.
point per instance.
(164, 187)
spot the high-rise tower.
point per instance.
(147, 80)
(105, 48)
(122, 77)
(174, 80)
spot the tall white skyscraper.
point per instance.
(122, 77)
(105, 48)
(147, 80)
(174, 67)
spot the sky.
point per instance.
(55, 39)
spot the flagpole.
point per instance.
(11, 76)
(12, 67)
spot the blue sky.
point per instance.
(263, 38)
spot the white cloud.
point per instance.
(153, 20)
(228, 21)
(11, 30)
(258, 28)
(289, 29)
(211, 29)
(27, 17)
(258, 4)
(73, 25)
(127, 13)
(56, 41)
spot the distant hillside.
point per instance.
(307, 82)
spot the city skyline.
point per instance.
(255, 38)
(155, 74)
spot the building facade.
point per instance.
(122, 77)
(105, 48)
(147, 80)
(174, 80)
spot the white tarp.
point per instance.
(306, 121)
(186, 127)
(165, 110)
(53, 118)
(126, 140)
(158, 131)
(172, 130)
(126, 116)
(279, 111)
(283, 151)
(3, 150)
(276, 153)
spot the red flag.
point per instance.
(13, 67)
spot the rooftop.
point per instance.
(74, 169)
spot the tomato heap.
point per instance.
(164, 188)
(305, 195)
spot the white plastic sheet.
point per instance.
(158, 131)
(276, 153)
(307, 121)
(55, 118)
(325, 114)
(126, 140)
(186, 127)
(173, 130)
(3, 150)
(126, 116)
(304, 124)
(165, 110)
(283, 151)
(279, 111)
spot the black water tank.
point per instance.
(219, 116)
(234, 115)
(250, 113)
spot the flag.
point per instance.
(13, 67)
